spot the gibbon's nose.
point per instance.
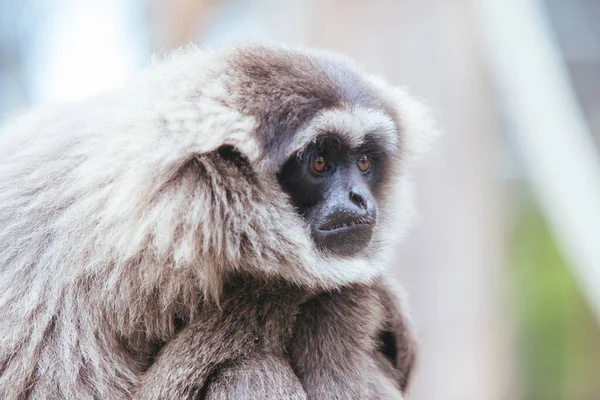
(351, 209)
(358, 199)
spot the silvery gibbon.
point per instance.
(217, 229)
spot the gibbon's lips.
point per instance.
(347, 224)
(345, 238)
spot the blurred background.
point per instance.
(503, 269)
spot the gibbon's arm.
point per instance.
(201, 364)
(354, 343)
(231, 351)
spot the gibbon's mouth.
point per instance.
(345, 239)
(348, 225)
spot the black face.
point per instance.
(333, 187)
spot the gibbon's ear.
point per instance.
(396, 347)
(417, 127)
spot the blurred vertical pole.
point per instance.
(551, 130)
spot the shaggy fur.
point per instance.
(276, 341)
(126, 216)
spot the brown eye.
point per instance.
(319, 164)
(364, 163)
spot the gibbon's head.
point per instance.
(286, 163)
(338, 143)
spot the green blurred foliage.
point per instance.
(559, 338)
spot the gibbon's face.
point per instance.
(334, 188)
(333, 138)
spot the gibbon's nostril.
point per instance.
(358, 200)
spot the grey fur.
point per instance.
(125, 216)
(274, 341)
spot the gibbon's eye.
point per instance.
(364, 163)
(320, 164)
